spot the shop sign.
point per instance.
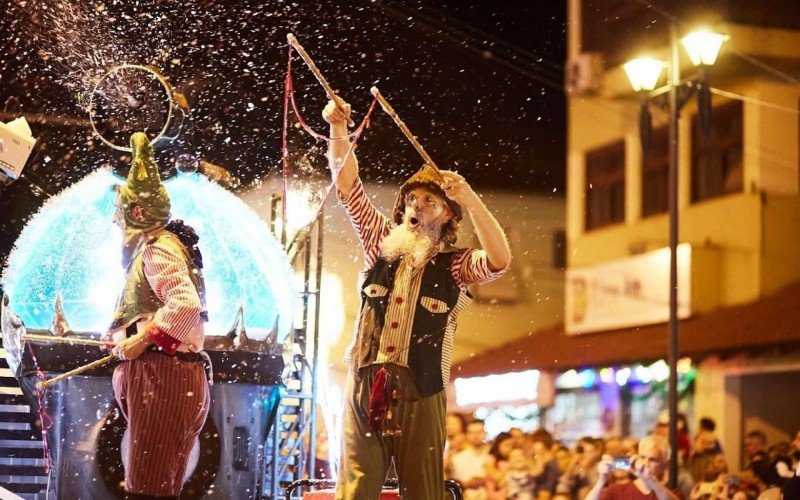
(626, 293)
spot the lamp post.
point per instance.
(643, 73)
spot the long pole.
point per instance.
(672, 356)
(78, 371)
(400, 123)
(318, 74)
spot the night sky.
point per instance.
(479, 83)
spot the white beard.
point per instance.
(403, 242)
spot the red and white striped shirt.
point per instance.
(167, 273)
(469, 266)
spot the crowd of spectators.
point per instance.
(534, 466)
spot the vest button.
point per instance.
(399, 300)
(395, 324)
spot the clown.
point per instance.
(161, 384)
(415, 285)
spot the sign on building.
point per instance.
(627, 292)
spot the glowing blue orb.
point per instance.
(71, 247)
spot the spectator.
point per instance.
(755, 443)
(710, 471)
(518, 435)
(630, 444)
(455, 424)
(519, 482)
(455, 441)
(582, 472)
(563, 459)
(650, 468)
(613, 446)
(468, 466)
(791, 489)
(706, 439)
(497, 464)
(684, 438)
(544, 464)
(781, 460)
(796, 447)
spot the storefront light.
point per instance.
(588, 378)
(660, 370)
(514, 386)
(684, 365)
(607, 375)
(622, 376)
(569, 380)
(643, 374)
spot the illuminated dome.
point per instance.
(71, 247)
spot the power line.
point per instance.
(461, 40)
(495, 40)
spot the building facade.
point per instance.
(738, 202)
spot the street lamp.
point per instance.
(644, 73)
(703, 48)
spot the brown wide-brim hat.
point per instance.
(428, 177)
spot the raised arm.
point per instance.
(338, 148)
(370, 225)
(490, 235)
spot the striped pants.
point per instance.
(165, 401)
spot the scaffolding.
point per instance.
(291, 438)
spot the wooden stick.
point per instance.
(414, 142)
(321, 79)
(66, 340)
(78, 371)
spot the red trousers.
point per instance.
(166, 402)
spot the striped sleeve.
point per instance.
(168, 275)
(370, 225)
(471, 267)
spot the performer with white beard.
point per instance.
(415, 285)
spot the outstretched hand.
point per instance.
(457, 189)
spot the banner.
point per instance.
(627, 292)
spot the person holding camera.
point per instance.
(649, 467)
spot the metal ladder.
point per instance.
(292, 437)
(21, 453)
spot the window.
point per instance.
(605, 186)
(655, 174)
(717, 166)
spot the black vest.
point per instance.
(428, 328)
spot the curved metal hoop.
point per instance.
(167, 89)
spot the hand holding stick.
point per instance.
(321, 79)
(414, 142)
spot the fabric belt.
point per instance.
(195, 357)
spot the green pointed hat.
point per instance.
(145, 201)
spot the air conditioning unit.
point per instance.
(584, 74)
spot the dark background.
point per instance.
(479, 82)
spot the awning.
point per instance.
(772, 322)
